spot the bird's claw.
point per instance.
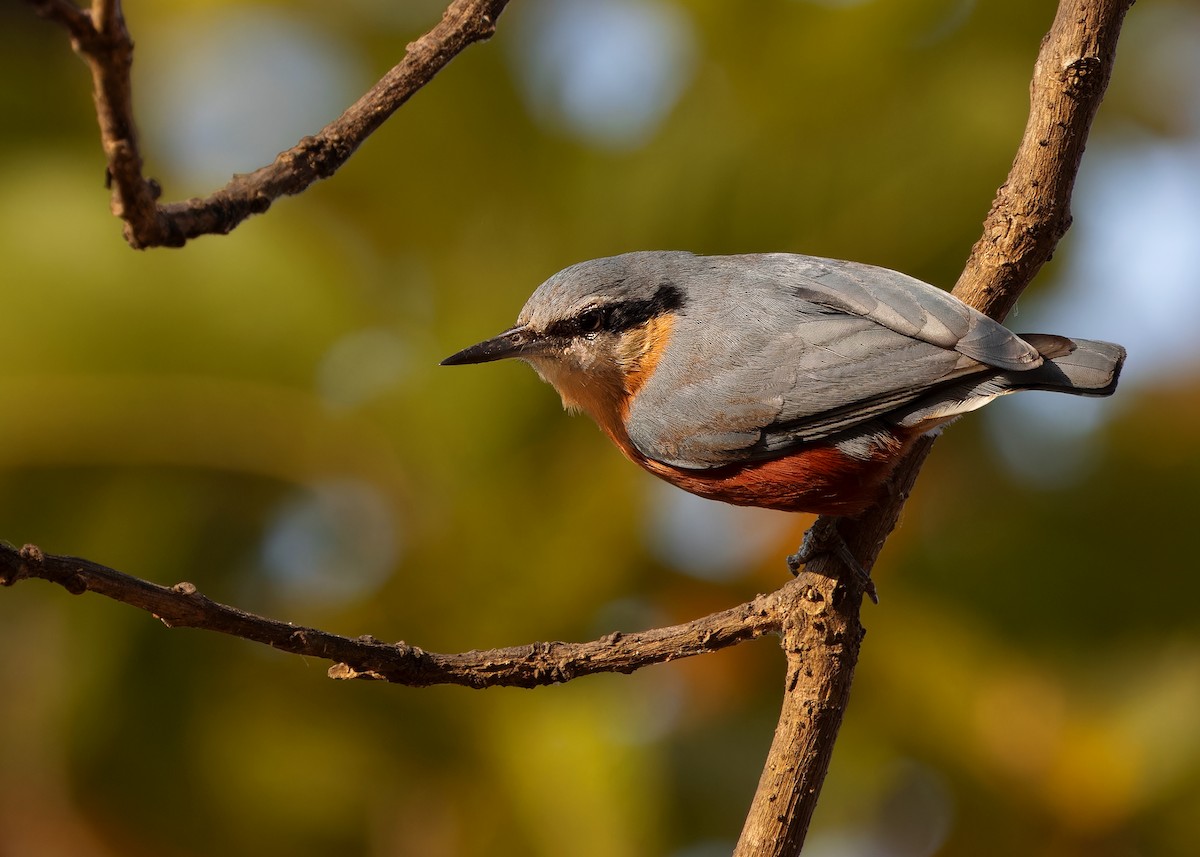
(830, 541)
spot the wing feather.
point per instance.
(807, 349)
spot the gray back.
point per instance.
(773, 350)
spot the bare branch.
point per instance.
(182, 606)
(103, 40)
(107, 17)
(1032, 209)
(1029, 216)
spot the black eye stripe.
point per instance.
(621, 315)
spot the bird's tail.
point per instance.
(1084, 367)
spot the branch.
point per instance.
(103, 40)
(1030, 214)
(66, 13)
(182, 606)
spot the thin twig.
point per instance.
(66, 13)
(103, 40)
(107, 17)
(1031, 213)
(182, 606)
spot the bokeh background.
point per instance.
(262, 414)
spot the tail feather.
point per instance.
(1091, 368)
(1049, 345)
(1082, 367)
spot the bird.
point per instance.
(776, 380)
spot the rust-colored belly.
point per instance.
(819, 478)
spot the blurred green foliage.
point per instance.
(262, 414)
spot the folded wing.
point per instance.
(811, 349)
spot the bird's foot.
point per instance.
(823, 538)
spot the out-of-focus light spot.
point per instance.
(837, 4)
(651, 709)
(841, 843)
(1047, 439)
(709, 848)
(231, 88)
(953, 20)
(625, 615)
(408, 15)
(911, 818)
(916, 813)
(1020, 722)
(362, 366)
(1166, 76)
(1133, 278)
(707, 539)
(608, 71)
(333, 543)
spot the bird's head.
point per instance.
(594, 331)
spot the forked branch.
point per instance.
(102, 39)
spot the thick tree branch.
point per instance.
(181, 606)
(103, 40)
(1029, 216)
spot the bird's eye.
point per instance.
(591, 321)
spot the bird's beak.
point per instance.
(515, 342)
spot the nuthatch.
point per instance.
(789, 382)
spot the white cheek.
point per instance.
(554, 371)
(584, 359)
(580, 364)
(544, 368)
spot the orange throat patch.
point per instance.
(605, 391)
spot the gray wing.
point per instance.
(908, 306)
(807, 348)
